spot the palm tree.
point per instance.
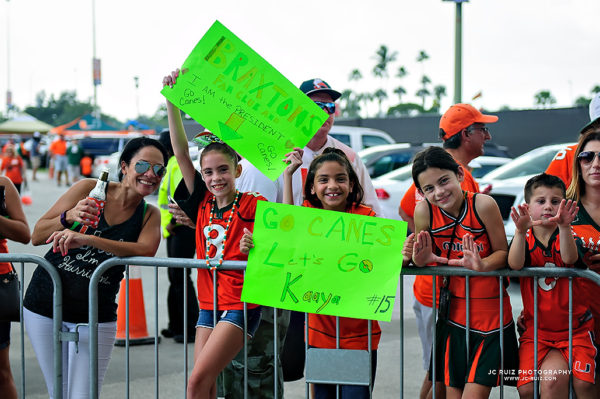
(439, 91)
(423, 93)
(380, 95)
(544, 99)
(400, 91)
(383, 57)
(402, 72)
(365, 98)
(355, 75)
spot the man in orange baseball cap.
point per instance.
(463, 132)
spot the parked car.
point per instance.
(390, 188)
(383, 159)
(508, 181)
(359, 138)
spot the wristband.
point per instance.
(63, 220)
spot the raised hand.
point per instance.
(471, 259)
(522, 218)
(423, 251)
(246, 243)
(293, 160)
(171, 79)
(567, 211)
(407, 249)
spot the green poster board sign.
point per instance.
(232, 91)
(325, 262)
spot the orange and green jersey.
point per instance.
(447, 232)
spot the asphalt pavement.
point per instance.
(171, 374)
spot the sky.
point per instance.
(511, 48)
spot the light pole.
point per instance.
(136, 80)
(96, 71)
(458, 51)
(8, 92)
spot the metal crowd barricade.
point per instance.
(58, 335)
(345, 359)
(358, 360)
(535, 272)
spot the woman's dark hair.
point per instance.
(355, 196)
(134, 146)
(432, 157)
(576, 189)
(223, 149)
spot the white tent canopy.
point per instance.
(24, 123)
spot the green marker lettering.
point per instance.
(299, 114)
(249, 76)
(239, 60)
(383, 229)
(271, 224)
(310, 226)
(353, 227)
(285, 107)
(269, 257)
(217, 56)
(278, 92)
(365, 234)
(286, 287)
(348, 263)
(341, 230)
(324, 303)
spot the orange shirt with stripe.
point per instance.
(447, 232)
(353, 332)
(423, 286)
(561, 165)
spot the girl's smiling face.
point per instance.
(442, 188)
(332, 186)
(219, 174)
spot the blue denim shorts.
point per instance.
(235, 317)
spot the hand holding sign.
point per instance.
(317, 261)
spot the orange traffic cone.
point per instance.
(138, 331)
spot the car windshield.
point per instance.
(531, 163)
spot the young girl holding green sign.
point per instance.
(332, 184)
(463, 229)
(222, 215)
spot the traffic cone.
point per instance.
(138, 331)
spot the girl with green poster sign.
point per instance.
(222, 215)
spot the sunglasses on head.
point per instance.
(587, 156)
(327, 107)
(144, 166)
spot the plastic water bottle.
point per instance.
(98, 195)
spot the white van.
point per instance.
(360, 137)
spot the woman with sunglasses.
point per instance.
(585, 189)
(127, 226)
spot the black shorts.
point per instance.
(4, 334)
(483, 365)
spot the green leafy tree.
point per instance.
(544, 99)
(439, 91)
(401, 72)
(58, 110)
(405, 109)
(350, 107)
(595, 89)
(365, 98)
(582, 101)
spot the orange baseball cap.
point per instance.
(461, 116)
